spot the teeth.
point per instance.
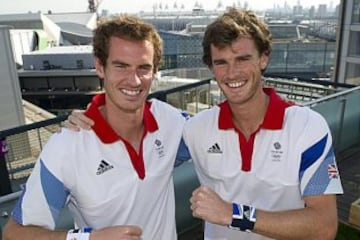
(130, 92)
(235, 84)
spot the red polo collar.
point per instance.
(274, 116)
(107, 135)
(104, 131)
(273, 120)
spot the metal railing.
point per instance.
(26, 142)
(342, 112)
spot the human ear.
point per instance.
(264, 60)
(99, 67)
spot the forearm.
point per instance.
(14, 231)
(318, 220)
(308, 223)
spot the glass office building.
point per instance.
(348, 60)
(290, 58)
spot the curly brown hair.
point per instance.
(233, 24)
(128, 27)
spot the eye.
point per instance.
(242, 61)
(146, 69)
(219, 63)
(120, 66)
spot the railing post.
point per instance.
(197, 99)
(39, 138)
(5, 186)
(341, 123)
(162, 96)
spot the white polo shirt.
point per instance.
(289, 157)
(103, 180)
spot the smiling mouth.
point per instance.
(236, 84)
(130, 92)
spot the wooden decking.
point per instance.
(349, 168)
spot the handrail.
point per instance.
(158, 94)
(161, 95)
(27, 127)
(21, 148)
(10, 197)
(332, 96)
(179, 176)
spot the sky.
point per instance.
(133, 6)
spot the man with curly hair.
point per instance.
(117, 178)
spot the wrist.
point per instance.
(79, 234)
(229, 215)
(243, 218)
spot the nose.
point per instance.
(232, 71)
(134, 79)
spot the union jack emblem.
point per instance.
(333, 171)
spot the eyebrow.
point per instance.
(117, 62)
(245, 56)
(240, 57)
(217, 61)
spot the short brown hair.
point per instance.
(231, 25)
(128, 27)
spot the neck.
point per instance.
(128, 125)
(248, 116)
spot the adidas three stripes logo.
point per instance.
(103, 167)
(214, 149)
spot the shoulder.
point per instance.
(66, 142)
(65, 152)
(157, 104)
(204, 119)
(163, 110)
(304, 115)
(64, 136)
(207, 113)
(308, 125)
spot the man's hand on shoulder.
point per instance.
(77, 120)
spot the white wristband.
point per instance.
(76, 234)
